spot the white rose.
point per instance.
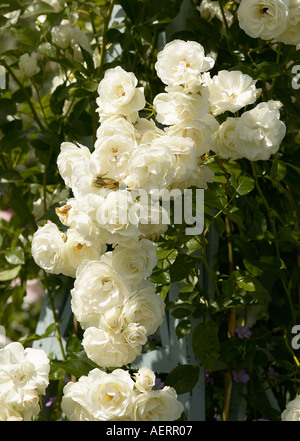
(266, 19)
(153, 220)
(80, 215)
(69, 156)
(75, 402)
(65, 36)
(259, 132)
(146, 131)
(153, 166)
(211, 9)
(199, 179)
(115, 125)
(157, 405)
(8, 412)
(231, 91)
(97, 289)
(185, 156)
(119, 94)
(200, 131)
(111, 156)
(48, 248)
(292, 411)
(134, 260)
(292, 34)
(99, 397)
(27, 368)
(181, 61)
(224, 139)
(177, 106)
(79, 39)
(111, 396)
(77, 249)
(118, 217)
(61, 35)
(28, 64)
(108, 348)
(135, 334)
(144, 379)
(144, 307)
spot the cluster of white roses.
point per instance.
(24, 374)
(112, 299)
(277, 20)
(292, 410)
(119, 397)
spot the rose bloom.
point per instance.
(157, 405)
(111, 156)
(259, 131)
(144, 379)
(108, 348)
(181, 61)
(146, 131)
(200, 131)
(77, 249)
(266, 19)
(292, 34)
(28, 64)
(153, 166)
(134, 260)
(119, 94)
(24, 373)
(176, 105)
(69, 156)
(183, 149)
(99, 397)
(48, 249)
(115, 125)
(97, 289)
(80, 215)
(65, 36)
(231, 91)
(292, 411)
(28, 368)
(224, 139)
(117, 216)
(144, 307)
(211, 9)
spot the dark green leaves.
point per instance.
(206, 344)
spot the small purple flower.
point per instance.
(243, 332)
(241, 376)
(273, 374)
(50, 402)
(158, 384)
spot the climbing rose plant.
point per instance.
(105, 131)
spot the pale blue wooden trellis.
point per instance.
(173, 352)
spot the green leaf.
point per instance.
(268, 70)
(183, 378)
(25, 35)
(15, 256)
(205, 343)
(10, 273)
(37, 8)
(245, 185)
